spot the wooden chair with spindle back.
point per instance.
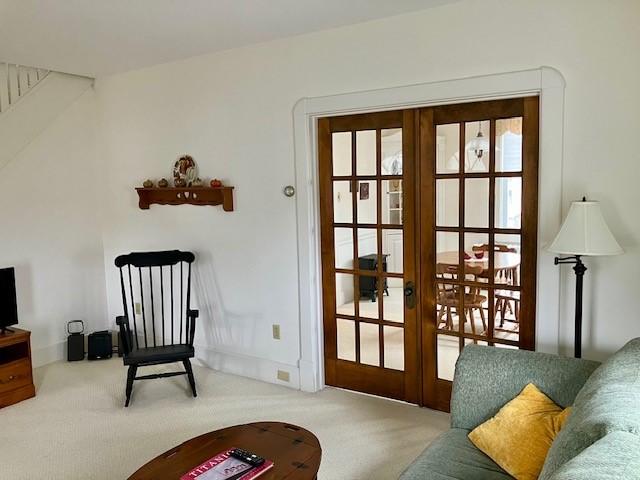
(156, 297)
(504, 298)
(449, 300)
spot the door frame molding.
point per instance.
(546, 82)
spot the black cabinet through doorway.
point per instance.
(369, 285)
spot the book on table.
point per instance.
(225, 467)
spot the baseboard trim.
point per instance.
(224, 361)
(44, 355)
(247, 366)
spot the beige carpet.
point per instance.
(77, 428)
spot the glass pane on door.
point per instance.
(477, 147)
(447, 202)
(369, 344)
(392, 202)
(476, 202)
(448, 148)
(508, 208)
(366, 152)
(393, 301)
(393, 250)
(448, 352)
(345, 294)
(346, 332)
(393, 347)
(341, 151)
(509, 144)
(342, 201)
(391, 141)
(343, 248)
(367, 200)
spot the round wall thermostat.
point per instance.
(289, 191)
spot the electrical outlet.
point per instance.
(282, 375)
(276, 331)
(138, 309)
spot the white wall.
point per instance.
(233, 112)
(50, 229)
(36, 110)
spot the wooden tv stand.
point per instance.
(16, 377)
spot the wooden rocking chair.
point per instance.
(156, 296)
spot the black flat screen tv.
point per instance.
(8, 301)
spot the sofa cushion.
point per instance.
(614, 457)
(452, 456)
(607, 403)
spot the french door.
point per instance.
(368, 255)
(428, 236)
(478, 226)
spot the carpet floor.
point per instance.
(76, 426)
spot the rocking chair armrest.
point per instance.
(125, 333)
(191, 322)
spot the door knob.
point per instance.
(410, 295)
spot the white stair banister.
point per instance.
(16, 81)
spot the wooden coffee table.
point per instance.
(294, 451)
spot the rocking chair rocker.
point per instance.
(163, 322)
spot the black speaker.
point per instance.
(75, 341)
(100, 345)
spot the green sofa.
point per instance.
(600, 440)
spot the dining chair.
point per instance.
(449, 299)
(504, 298)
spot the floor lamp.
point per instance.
(583, 233)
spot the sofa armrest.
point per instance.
(488, 377)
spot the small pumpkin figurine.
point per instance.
(215, 183)
(147, 183)
(179, 182)
(163, 183)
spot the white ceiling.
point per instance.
(99, 37)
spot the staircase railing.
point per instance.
(16, 81)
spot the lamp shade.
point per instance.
(585, 232)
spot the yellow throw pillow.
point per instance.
(519, 436)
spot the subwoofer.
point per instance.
(100, 345)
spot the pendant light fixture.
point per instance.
(476, 149)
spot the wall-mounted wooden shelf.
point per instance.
(186, 196)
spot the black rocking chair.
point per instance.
(156, 295)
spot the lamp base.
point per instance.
(579, 269)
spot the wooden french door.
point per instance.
(478, 225)
(367, 209)
(428, 235)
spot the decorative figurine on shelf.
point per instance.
(163, 183)
(185, 171)
(215, 183)
(197, 182)
(147, 183)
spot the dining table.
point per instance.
(503, 262)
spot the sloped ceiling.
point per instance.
(100, 37)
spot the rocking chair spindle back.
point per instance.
(156, 297)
